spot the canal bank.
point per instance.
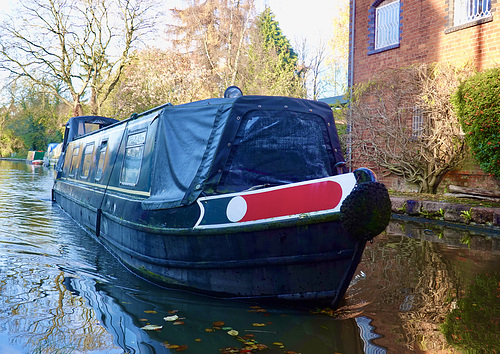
(459, 212)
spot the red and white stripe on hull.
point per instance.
(276, 203)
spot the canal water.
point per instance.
(62, 292)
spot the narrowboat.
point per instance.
(239, 197)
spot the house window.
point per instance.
(133, 158)
(417, 123)
(101, 157)
(387, 24)
(87, 160)
(466, 11)
(74, 161)
(384, 26)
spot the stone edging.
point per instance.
(457, 213)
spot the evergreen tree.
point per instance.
(272, 67)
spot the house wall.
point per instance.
(427, 35)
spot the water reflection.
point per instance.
(474, 324)
(62, 292)
(37, 313)
(411, 278)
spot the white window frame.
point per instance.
(132, 159)
(387, 22)
(74, 161)
(466, 11)
(101, 155)
(88, 152)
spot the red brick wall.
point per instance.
(423, 39)
(427, 35)
(470, 175)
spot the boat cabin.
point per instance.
(171, 155)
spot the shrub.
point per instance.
(477, 103)
(403, 123)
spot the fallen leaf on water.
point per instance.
(278, 344)
(171, 318)
(173, 311)
(143, 319)
(150, 311)
(218, 324)
(227, 328)
(256, 309)
(197, 340)
(230, 350)
(152, 327)
(233, 333)
(258, 324)
(177, 348)
(209, 330)
(176, 323)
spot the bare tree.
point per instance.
(72, 48)
(313, 65)
(155, 76)
(217, 31)
(337, 62)
(403, 121)
(316, 70)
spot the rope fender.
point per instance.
(366, 211)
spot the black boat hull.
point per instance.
(299, 259)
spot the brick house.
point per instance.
(399, 33)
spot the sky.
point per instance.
(298, 19)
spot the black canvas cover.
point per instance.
(186, 140)
(228, 145)
(277, 147)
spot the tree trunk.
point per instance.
(94, 107)
(77, 108)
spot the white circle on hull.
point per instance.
(236, 209)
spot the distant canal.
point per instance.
(62, 292)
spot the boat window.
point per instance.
(133, 158)
(74, 161)
(102, 155)
(276, 147)
(90, 127)
(87, 159)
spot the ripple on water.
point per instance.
(62, 292)
(40, 247)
